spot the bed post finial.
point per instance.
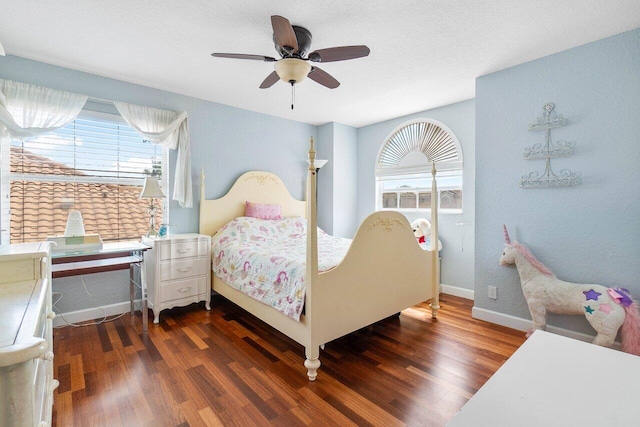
(312, 155)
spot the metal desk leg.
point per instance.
(132, 289)
(143, 295)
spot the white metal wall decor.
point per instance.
(548, 151)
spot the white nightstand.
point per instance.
(178, 271)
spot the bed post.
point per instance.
(435, 301)
(312, 349)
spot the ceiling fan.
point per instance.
(292, 43)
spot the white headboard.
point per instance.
(254, 186)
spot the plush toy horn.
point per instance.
(506, 235)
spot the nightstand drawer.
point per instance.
(183, 249)
(183, 288)
(184, 268)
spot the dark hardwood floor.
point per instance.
(225, 367)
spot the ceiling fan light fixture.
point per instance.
(292, 70)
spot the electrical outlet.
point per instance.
(493, 292)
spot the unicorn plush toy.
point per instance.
(606, 309)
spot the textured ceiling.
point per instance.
(424, 53)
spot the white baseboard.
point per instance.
(525, 324)
(457, 292)
(94, 313)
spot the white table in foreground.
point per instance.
(552, 381)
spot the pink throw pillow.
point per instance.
(263, 210)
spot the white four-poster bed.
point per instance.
(383, 272)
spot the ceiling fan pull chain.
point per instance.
(293, 94)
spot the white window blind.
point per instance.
(431, 140)
(96, 165)
(403, 169)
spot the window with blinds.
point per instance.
(403, 169)
(95, 165)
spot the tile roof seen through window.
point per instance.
(40, 208)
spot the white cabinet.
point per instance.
(178, 271)
(26, 335)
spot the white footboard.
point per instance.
(384, 272)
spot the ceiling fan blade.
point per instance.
(341, 53)
(270, 80)
(322, 77)
(243, 56)
(283, 32)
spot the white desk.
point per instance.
(552, 381)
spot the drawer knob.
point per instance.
(183, 250)
(184, 269)
(51, 315)
(184, 289)
(47, 356)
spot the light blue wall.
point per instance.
(337, 180)
(345, 181)
(225, 142)
(457, 239)
(325, 177)
(585, 234)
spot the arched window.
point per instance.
(403, 169)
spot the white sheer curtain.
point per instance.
(169, 129)
(27, 110)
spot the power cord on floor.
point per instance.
(104, 319)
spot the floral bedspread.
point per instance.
(266, 259)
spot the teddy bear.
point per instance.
(422, 230)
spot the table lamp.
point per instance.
(152, 190)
